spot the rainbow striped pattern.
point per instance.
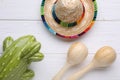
(63, 36)
(65, 24)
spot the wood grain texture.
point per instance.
(22, 17)
(30, 9)
(102, 33)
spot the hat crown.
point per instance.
(69, 10)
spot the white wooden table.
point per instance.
(22, 17)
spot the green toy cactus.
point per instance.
(17, 56)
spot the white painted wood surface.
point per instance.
(22, 17)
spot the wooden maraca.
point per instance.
(76, 54)
(103, 58)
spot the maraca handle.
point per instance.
(59, 75)
(81, 73)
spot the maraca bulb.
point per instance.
(105, 56)
(77, 53)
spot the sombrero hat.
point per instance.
(68, 18)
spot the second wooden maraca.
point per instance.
(103, 58)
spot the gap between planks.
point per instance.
(41, 20)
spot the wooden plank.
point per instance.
(52, 63)
(108, 9)
(20, 9)
(30, 9)
(103, 33)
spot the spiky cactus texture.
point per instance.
(17, 56)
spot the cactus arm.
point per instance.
(35, 47)
(7, 42)
(27, 75)
(36, 57)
